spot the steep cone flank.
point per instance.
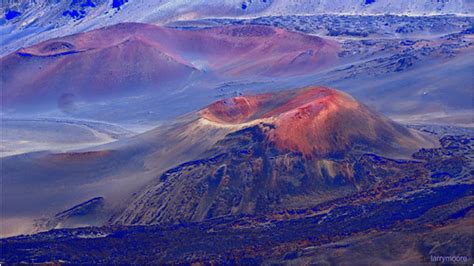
(315, 121)
(283, 150)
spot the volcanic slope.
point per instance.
(133, 59)
(294, 145)
(41, 184)
(285, 150)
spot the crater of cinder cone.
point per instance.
(243, 109)
(235, 110)
(317, 121)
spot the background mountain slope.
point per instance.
(26, 22)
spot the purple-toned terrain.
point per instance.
(129, 59)
(250, 132)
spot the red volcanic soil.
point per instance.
(128, 58)
(235, 110)
(316, 121)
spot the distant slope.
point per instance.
(26, 22)
(133, 59)
(28, 135)
(372, 7)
